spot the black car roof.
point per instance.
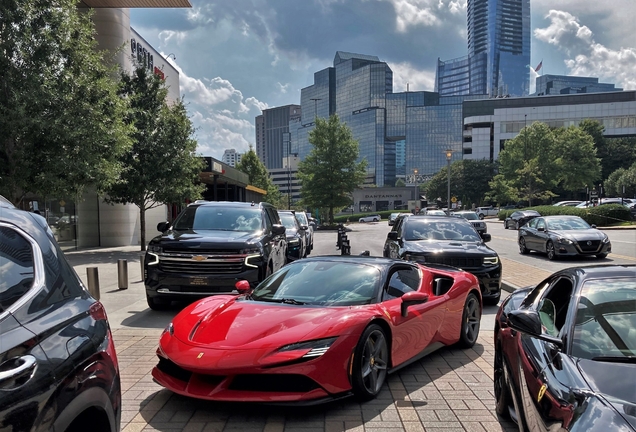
(229, 204)
(603, 271)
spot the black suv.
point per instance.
(58, 367)
(453, 241)
(209, 247)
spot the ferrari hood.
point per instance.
(249, 324)
(615, 382)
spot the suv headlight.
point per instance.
(153, 254)
(253, 255)
(155, 249)
(491, 260)
(415, 258)
(294, 242)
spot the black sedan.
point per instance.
(565, 352)
(296, 239)
(58, 367)
(563, 236)
(519, 218)
(450, 241)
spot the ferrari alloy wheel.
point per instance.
(471, 318)
(371, 360)
(523, 249)
(503, 401)
(549, 249)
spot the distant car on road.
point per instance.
(482, 212)
(567, 203)
(370, 218)
(435, 213)
(520, 218)
(472, 217)
(563, 236)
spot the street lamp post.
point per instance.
(417, 192)
(449, 155)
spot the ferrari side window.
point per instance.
(401, 282)
(558, 295)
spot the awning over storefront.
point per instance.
(137, 3)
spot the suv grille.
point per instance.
(202, 264)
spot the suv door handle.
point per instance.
(25, 366)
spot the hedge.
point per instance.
(356, 216)
(603, 215)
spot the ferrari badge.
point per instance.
(541, 392)
(200, 355)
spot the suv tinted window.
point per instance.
(16, 266)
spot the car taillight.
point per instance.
(97, 311)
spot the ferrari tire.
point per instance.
(471, 320)
(550, 250)
(503, 399)
(370, 363)
(157, 304)
(523, 249)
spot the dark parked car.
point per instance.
(303, 220)
(209, 247)
(58, 367)
(473, 218)
(520, 218)
(565, 352)
(563, 236)
(433, 240)
(392, 218)
(296, 235)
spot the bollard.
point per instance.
(93, 282)
(122, 274)
(142, 258)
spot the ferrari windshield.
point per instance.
(446, 229)
(329, 283)
(605, 320)
(566, 224)
(219, 219)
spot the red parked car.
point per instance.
(319, 329)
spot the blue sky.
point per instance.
(238, 57)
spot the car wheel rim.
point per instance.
(522, 245)
(374, 362)
(498, 378)
(471, 324)
(551, 252)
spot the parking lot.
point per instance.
(450, 390)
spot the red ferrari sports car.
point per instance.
(317, 330)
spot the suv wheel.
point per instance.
(157, 304)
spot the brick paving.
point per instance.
(518, 275)
(450, 390)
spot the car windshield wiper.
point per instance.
(615, 359)
(288, 301)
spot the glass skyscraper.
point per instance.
(498, 58)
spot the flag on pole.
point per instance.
(539, 66)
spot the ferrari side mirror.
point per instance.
(410, 299)
(528, 322)
(242, 286)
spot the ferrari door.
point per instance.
(414, 332)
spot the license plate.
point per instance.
(199, 281)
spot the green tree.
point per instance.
(259, 176)
(469, 181)
(528, 168)
(614, 153)
(400, 183)
(330, 173)
(61, 120)
(622, 178)
(576, 158)
(162, 166)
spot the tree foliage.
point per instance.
(61, 120)
(330, 173)
(614, 153)
(251, 165)
(622, 178)
(162, 166)
(540, 159)
(469, 181)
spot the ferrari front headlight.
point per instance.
(314, 348)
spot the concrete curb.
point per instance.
(507, 286)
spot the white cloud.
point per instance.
(587, 57)
(418, 80)
(410, 13)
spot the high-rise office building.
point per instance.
(498, 58)
(231, 157)
(564, 84)
(272, 132)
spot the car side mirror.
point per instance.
(541, 229)
(412, 298)
(528, 322)
(242, 286)
(163, 226)
(278, 229)
(593, 226)
(486, 237)
(392, 235)
(304, 227)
